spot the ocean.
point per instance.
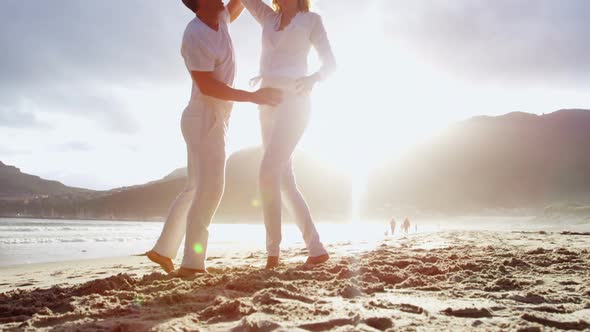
(28, 241)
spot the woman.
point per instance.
(289, 30)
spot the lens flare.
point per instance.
(198, 248)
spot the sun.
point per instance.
(351, 125)
(366, 113)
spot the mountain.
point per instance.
(15, 184)
(513, 161)
(327, 192)
(508, 162)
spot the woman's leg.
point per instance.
(282, 130)
(298, 206)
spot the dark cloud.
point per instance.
(100, 40)
(535, 41)
(64, 55)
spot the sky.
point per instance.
(91, 92)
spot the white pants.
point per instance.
(282, 128)
(194, 208)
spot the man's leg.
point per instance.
(210, 157)
(174, 229)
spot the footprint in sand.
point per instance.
(25, 284)
(579, 325)
(468, 312)
(330, 324)
(412, 309)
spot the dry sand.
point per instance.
(533, 281)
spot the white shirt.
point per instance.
(285, 52)
(207, 50)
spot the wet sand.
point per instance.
(527, 281)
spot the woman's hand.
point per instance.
(305, 85)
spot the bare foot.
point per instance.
(185, 272)
(164, 262)
(272, 262)
(317, 260)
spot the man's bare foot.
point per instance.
(164, 262)
(272, 262)
(185, 272)
(317, 260)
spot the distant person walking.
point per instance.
(406, 226)
(392, 226)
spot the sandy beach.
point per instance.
(525, 281)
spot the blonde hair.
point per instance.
(302, 5)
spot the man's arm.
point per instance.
(211, 87)
(235, 9)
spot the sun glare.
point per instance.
(374, 106)
(354, 103)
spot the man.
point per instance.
(208, 53)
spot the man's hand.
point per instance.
(211, 87)
(267, 96)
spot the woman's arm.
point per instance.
(320, 41)
(261, 11)
(235, 9)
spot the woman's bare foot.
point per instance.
(164, 262)
(185, 272)
(317, 260)
(272, 262)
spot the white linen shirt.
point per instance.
(285, 52)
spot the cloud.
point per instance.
(76, 146)
(533, 41)
(6, 151)
(69, 56)
(16, 118)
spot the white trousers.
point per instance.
(192, 211)
(282, 128)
